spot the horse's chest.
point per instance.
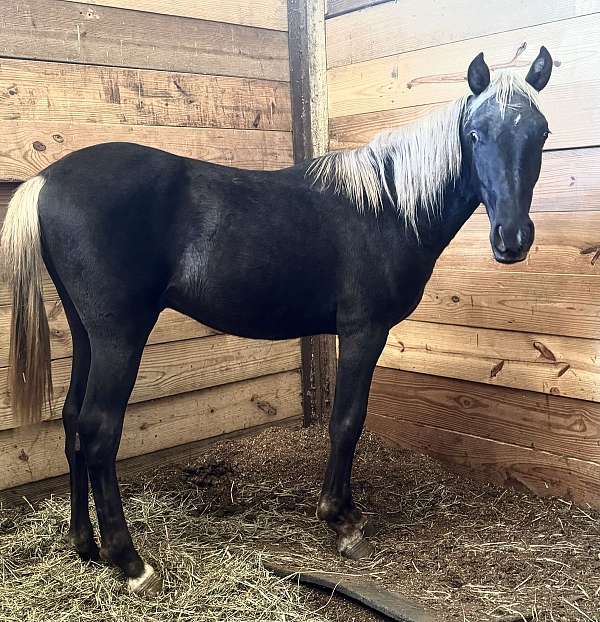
(404, 290)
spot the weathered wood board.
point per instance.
(99, 35)
(393, 27)
(29, 147)
(36, 452)
(496, 371)
(551, 364)
(565, 243)
(555, 304)
(511, 437)
(335, 7)
(180, 367)
(37, 91)
(259, 13)
(437, 74)
(171, 326)
(207, 80)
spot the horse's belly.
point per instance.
(255, 306)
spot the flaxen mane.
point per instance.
(421, 158)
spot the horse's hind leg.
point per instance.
(81, 532)
(358, 355)
(116, 350)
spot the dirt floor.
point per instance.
(466, 551)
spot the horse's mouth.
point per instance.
(509, 257)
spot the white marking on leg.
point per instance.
(345, 543)
(135, 584)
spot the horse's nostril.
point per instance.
(499, 240)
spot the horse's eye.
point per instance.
(546, 134)
(474, 136)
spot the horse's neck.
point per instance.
(460, 202)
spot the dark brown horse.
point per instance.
(343, 245)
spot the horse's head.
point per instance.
(504, 133)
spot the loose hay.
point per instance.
(469, 551)
(209, 575)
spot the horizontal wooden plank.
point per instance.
(557, 365)
(559, 425)
(29, 147)
(565, 243)
(504, 464)
(35, 452)
(98, 35)
(171, 326)
(544, 473)
(437, 75)
(335, 7)
(260, 13)
(71, 93)
(390, 28)
(538, 303)
(179, 367)
(129, 468)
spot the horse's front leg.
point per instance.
(358, 354)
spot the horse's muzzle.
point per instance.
(511, 244)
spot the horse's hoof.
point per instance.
(148, 584)
(356, 547)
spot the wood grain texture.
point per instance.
(556, 365)
(397, 27)
(308, 77)
(69, 93)
(436, 75)
(565, 243)
(260, 13)
(545, 474)
(35, 452)
(548, 423)
(29, 147)
(171, 326)
(539, 303)
(136, 466)
(98, 35)
(180, 367)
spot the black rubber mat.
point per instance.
(368, 593)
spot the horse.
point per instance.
(342, 244)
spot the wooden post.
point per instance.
(308, 76)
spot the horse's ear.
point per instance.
(540, 70)
(478, 75)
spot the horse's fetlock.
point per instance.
(329, 510)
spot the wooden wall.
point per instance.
(498, 370)
(204, 79)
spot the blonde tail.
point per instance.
(30, 378)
